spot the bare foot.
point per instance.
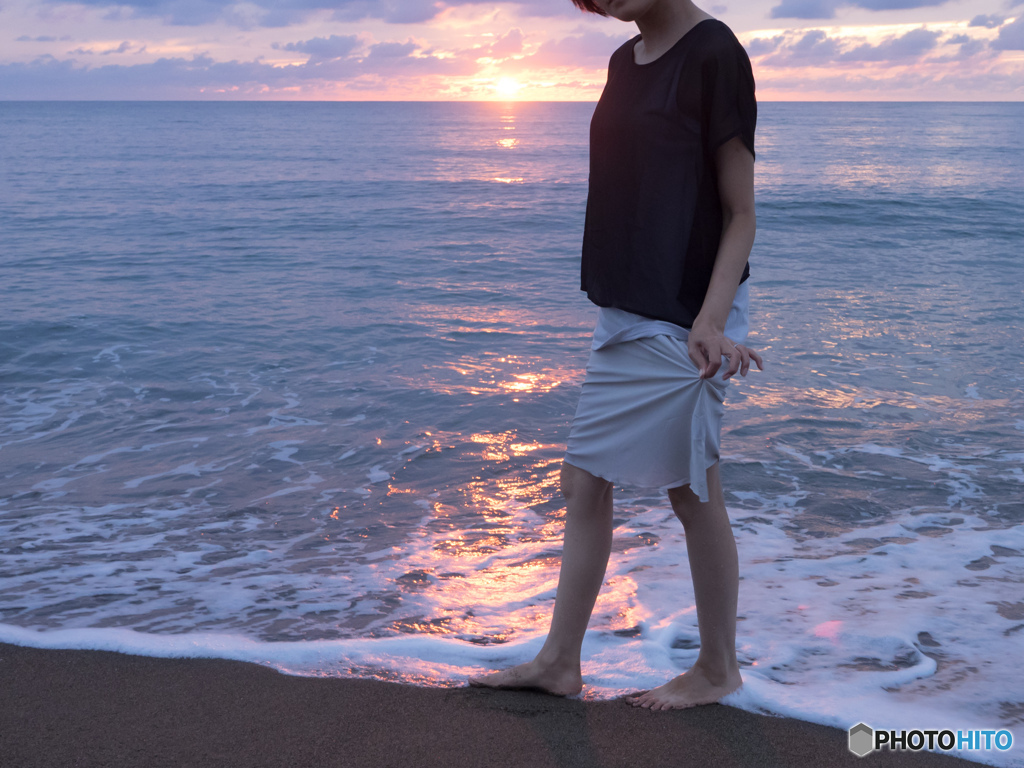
(691, 689)
(532, 676)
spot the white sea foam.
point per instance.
(887, 625)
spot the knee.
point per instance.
(579, 484)
(689, 507)
(684, 503)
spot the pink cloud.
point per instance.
(507, 45)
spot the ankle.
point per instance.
(718, 672)
(558, 659)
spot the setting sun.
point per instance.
(507, 87)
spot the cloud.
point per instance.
(344, 57)
(990, 22)
(762, 45)
(507, 45)
(826, 9)
(954, 80)
(333, 62)
(815, 48)
(39, 39)
(125, 47)
(280, 13)
(1011, 36)
(805, 9)
(49, 78)
(537, 8)
(391, 50)
(895, 5)
(911, 45)
(393, 11)
(970, 48)
(271, 13)
(588, 49)
(322, 48)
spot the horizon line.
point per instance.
(476, 101)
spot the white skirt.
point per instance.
(646, 418)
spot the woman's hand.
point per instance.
(708, 345)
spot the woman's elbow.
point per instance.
(740, 217)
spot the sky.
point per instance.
(363, 50)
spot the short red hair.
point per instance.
(588, 5)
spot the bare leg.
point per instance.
(587, 544)
(714, 569)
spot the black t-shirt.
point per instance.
(654, 216)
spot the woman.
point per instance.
(669, 227)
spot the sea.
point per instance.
(291, 383)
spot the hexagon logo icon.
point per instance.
(862, 739)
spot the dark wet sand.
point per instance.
(95, 708)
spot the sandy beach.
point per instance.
(96, 708)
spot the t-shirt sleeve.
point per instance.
(618, 57)
(730, 108)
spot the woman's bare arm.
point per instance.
(708, 344)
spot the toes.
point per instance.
(647, 700)
(486, 681)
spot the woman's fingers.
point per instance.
(707, 355)
(712, 363)
(748, 355)
(697, 355)
(735, 356)
(757, 359)
(740, 359)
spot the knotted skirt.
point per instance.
(646, 418)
